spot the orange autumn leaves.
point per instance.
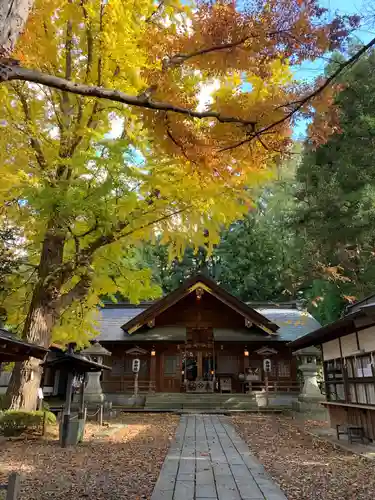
(178, 50)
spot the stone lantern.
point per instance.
(93, 389)
(310, 395)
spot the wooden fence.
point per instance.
(12, 488)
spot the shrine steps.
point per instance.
(200, 402)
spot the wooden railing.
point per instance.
(280, 386)
(127, 386)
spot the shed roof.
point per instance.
(361, 318)
(15, 349)
(75, 363)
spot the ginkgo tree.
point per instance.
(88, 173)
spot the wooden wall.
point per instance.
(340, 415)
(206, 312)
(350, 344)
(171, 355)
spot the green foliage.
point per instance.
(14, 422)
(335, 214)
(325, 299)
(257, 257)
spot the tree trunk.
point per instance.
(23, 386)
(13, 17)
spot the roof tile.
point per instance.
(292, 324)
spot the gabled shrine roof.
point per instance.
(206, 285)
(292, 324)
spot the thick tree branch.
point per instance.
(10, 73)
(64, 272)
(78, 292)
(117, 233)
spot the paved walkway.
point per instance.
(209, 460)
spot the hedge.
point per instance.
(14, 422)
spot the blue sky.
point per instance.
(311, 70)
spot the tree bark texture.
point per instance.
(13, 17)
(42, 315)
(26, 376)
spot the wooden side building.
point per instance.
(348, 348)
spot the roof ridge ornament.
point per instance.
(136, 351)
(266, 351)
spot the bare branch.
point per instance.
(91, 230)
(65, 100)
(178, 59)
(305, 100)
(117, 233)
(90, 41)
(174, 140)
(34, 141)
(100, 43)
(155, 12)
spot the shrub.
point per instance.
(14, 422)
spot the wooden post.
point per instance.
(266, 384)
(213, 365)
(14, 484)
(100, 415)
(81, 410)
(136, 384)
(199, 363)
(152, 381)
(185, 370)
(67, 409)
(56, 382)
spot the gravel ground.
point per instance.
(306, 468)
(122, 465)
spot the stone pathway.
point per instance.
(208, 460)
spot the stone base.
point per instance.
(285, 399)
(311, 406)
(137, 401)
(95, 398)
(126, 400)
(90, 399)
(315, 398)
